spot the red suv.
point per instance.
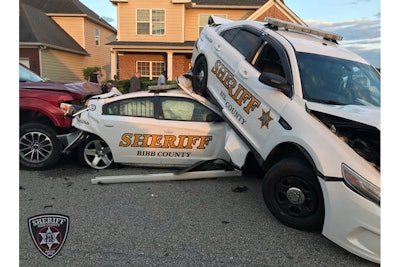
(42, 123)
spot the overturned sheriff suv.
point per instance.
(308, 111)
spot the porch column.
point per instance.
(114, 58)
(170, 65)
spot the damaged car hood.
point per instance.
(358, 126)
(368, 115)
(79, 90)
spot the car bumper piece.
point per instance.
(352, 221)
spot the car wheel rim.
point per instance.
(296, 197)
(98, 155)
(200, 76)
(35, 147)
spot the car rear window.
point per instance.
(243, 40)
(136, 107)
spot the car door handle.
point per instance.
(217, 47)
(108, 125)
(243, 73)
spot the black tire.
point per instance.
(95, 153)
(39, 147)
(293, 194)
(200, 76)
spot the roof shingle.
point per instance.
(35, 24)
(34, 27)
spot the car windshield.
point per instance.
(338, 81)
(25, 75)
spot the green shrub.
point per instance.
(89, 70)
(123, 85)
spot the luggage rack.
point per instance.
(273, 22)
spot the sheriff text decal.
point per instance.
(236, 91)
(165, 141)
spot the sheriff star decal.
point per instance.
(265, 118)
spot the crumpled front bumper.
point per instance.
(72, 140)
(351, 221)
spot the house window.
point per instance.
(150, 21)
(203, 19)
(150, 69)
(96, 36)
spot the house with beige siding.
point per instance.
(159, 35)
(59, 38)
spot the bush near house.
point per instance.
(89, 70)
(123, 85)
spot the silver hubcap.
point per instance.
(201, 75)
(295, 196)
(98, 155)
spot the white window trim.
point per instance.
(151, 76)
(96, 36)
(151, 21)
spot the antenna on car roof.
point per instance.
(274, 23)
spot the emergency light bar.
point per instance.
(296, 27)
(161, 88)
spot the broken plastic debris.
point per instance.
(239, 189)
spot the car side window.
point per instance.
(230, 34)
(185, 110)
(268, 60)
(245, 41)
(136, 107)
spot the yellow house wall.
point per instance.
(73, 26)
(173, 21)
(99, 55)
(192, 19)
(82, 30)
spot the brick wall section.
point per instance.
(273, 12)
(181, 65)
(127, 62)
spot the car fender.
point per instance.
(47, 109)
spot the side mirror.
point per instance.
(276, 81)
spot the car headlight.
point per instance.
(67, 109)
(360, 185)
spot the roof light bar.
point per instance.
(160, 88)
(300, 28)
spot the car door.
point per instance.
(229, 49)
(138, 133)
(251, 106)
(263, 116)
(191, 132)
(124, 119)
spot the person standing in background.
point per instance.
(135, 82)
(95, 77)
(162, 79)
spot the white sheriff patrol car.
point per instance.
(308, 111)
(155, 128)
